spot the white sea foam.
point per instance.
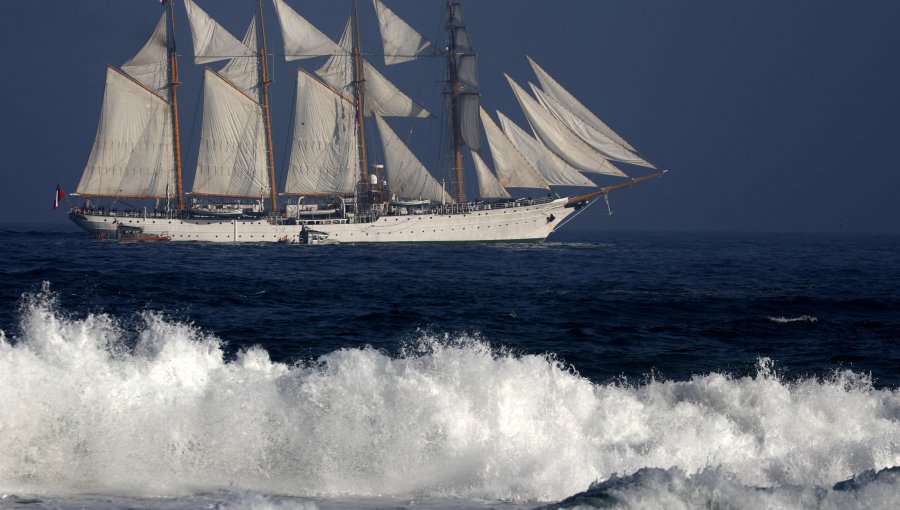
(255, 501)
(90, 407)
(672, 489)
(787, 320)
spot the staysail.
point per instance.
(568, 101)
(513, 170)
(556, 171)
(603, 144)
(558, 138)
(324, 154)
(402, 43)
(488, 185)
(407, 176)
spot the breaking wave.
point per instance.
(714, 488)
(787, 320)
(93, 406)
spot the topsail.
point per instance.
(151, 65)
(301, 38)
(244, 71)
(211, 41)
(382, 97)
(401, 42)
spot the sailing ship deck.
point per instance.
(523, 220)
(137, 149)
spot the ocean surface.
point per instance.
(596, 370)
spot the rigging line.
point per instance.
(194, 123)
(298, 56)
(497, 29)
(573, 216)
(289, 138)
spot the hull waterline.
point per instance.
(532, 222)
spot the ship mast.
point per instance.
(173, 86)
(453, 81)
(360, 92)
(264, 68)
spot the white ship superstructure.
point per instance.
(332, 188)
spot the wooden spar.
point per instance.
(453, 80)
(360, 92)
(608, 189)
(102, 195)
(346, 195)
(173, 86)
(267, 117)
(218, 195)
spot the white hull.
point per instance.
(512, 222)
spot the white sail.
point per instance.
(407, 177)
(567, 100)
(556, 171)
(301, 38)
(232, 159)
(599, 141)
(244, 71)
(338, 69)
(211, 41)
(558, 138)
(324, 150)
(468, 100)
(385, 99)
(151, 65)
(133, 155)
(382, 97)
(513, 170)
(488, 185)
(402, 43)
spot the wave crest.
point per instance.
(93, 406)
(715, 488)
(788, 320)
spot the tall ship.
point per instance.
(341, 183)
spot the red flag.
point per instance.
(59, 196)
(163, 2)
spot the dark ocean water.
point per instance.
(658, 365)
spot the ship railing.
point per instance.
(468, 207)
(114, 212)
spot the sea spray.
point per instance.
(672, 489)
(91, 405)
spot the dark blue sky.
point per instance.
(772, 115)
